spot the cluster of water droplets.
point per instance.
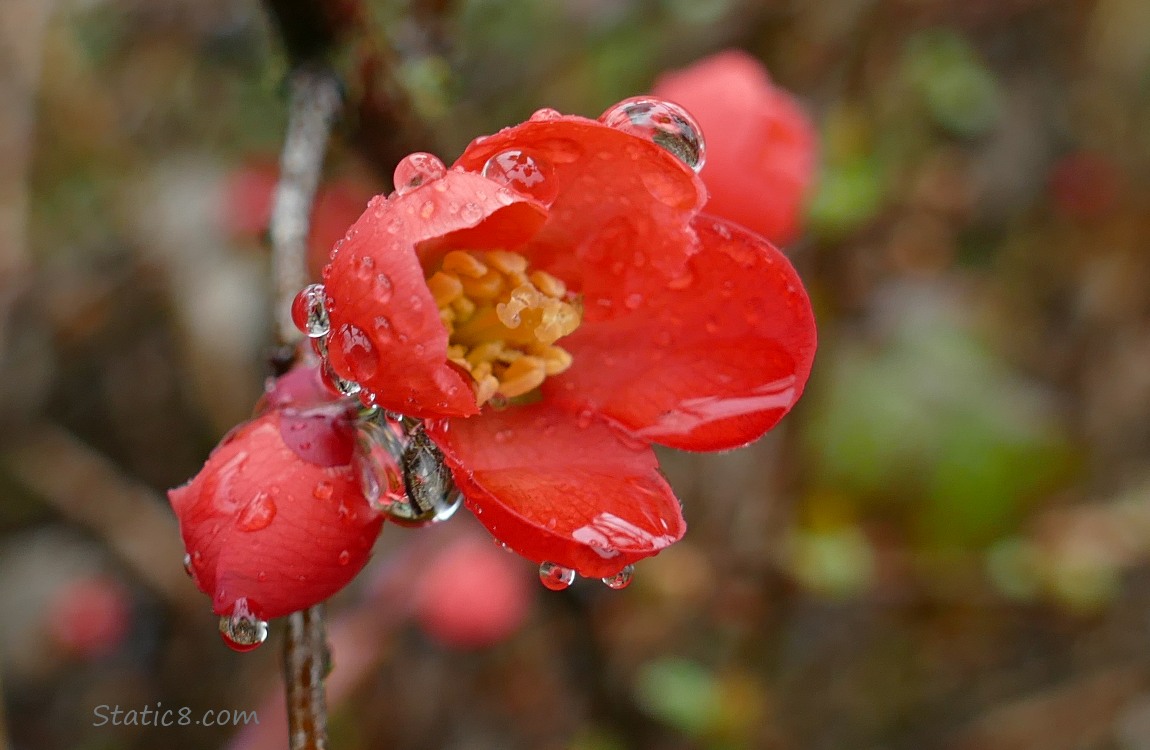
(556, 577)
(664, 123)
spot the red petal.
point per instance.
(385, 328)
(760, 144)
(708, 366)
(616, 191)
(577, 493)
(261, 523)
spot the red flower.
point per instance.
(554, 304)
(761, 146)
(276, 520)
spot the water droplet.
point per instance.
(188, 566)
(519, 170)
(666, 124)
(344, 557)
(584, 419)
(262, 576)
(243, 630)
(633, 301)
(417, 170)
(545, 114)
(471, 212)
(431, 494)
(366, 267)
(555, 577)
(622, 579)
(257, 514)
(502, 436)
(309, 313)
(337, 384)
(358, 352)
(323, 490)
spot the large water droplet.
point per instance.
(530, 175)
(379, 448)
(620, 580)
(666, 124)
(358, 351)
(243, 630)
(431, 494)
(257, 514)
(471, 212)
(416, 170)
(545, 115)
(555, 577)
(308, 312)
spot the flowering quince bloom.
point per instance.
(550, 307)
(761, 145)
(276, 521)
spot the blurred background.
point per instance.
(946, 544)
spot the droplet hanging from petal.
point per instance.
(309, 311)
(416, 170)
(431, 493)
(620, 580)
(664, 123)
(243, 630)
(556, 577)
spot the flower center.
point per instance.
(503, 320)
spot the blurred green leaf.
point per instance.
(681, 693)
(959, 91)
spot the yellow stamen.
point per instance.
(445, 287)
(503, 320)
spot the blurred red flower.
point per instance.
(761, 147)
(472, 595)
(276, 520)
(552, 306)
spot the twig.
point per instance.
(305, 665)
(315, 101)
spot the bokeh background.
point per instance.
(946, 545)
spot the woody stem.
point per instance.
(315, 101)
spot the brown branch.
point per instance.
(306, 658)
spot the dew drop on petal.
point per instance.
(358, 351)
(188, 566)
(528, 175)
(381, 288)
(545, 114)
(257, 514)
(633, 301)
(417, 170)
(243, 630)
(308, 312)
(555, 577)
(620, 580)
(344, 557)
(323, 490)
(471, 212)
(663, 123)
